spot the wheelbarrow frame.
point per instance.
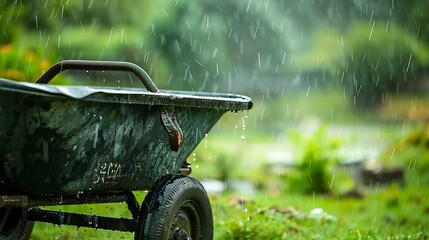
(29, 200)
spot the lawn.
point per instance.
(384, 213)
(387, 213)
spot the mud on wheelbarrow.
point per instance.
(66, 145)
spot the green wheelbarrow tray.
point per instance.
(57, 142)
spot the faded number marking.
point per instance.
(110, 172)
(107, 172)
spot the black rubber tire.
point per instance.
(177, 207)
(15, 224)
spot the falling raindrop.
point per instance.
(110, 36)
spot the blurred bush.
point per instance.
(21, 64)
(373, 60)
(412, 153)
(196, 45)
(314, 170)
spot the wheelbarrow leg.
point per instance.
(133, 205)
(177, 207)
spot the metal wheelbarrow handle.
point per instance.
(98, 66)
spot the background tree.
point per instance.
(206, 42)
(206, 45)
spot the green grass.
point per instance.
(390, 212)
(386, 213)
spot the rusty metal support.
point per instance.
(185, 169)
(24, 201)
(172, 127)
(82, 220)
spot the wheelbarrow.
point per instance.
(67, 145)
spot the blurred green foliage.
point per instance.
(375, 60)
(182, 44)
(212, 46)
(374, 49)
(318, 158)
(22, 64)
(211, 41)
(412, 153)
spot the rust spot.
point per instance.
(172, 127)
